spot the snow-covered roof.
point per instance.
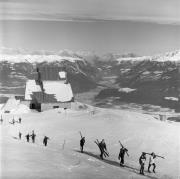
(54, 91)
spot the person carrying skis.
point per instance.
(82, 142)
(1, 119)
(20, 135)
(13, 121)
(27, 137)
(103, 149)
(152, 161)
(19, 120)
(45, 140)
(142, 161)
(33, 136)
(122, 152)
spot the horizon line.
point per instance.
(160, 21)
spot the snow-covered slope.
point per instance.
(138, 132)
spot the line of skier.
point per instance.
(18, 121)
(152, 158)
(123, 150)
(27, 136)
(13, 120)
(102, 147)
(33, 137)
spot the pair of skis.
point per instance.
(155, 155)
(144, 152)
(105, 153)
(124, 148)
(80, 134)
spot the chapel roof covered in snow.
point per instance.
(54, 91)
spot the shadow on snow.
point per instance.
(114, 163)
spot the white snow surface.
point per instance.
(36, 58)
(62, 74)
(169, 56)
(62, 91)
(31, 87)
(11, 104)
(126, 90)
(171, 98)
(138, 132)
(14, 107)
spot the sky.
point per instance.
(144, 27)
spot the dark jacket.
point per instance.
(82, 141)
(122, 152)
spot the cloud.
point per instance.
(161, 11)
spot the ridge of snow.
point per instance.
(171, 98)
(169, 56)
(126, 90)
(37, 58)
(134, 58)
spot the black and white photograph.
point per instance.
(89, 89)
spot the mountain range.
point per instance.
(153, 78)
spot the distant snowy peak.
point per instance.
(38, 58)
(169, 56)
(134, 58)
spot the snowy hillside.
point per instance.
(62, 159)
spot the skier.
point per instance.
(103, 148)
(122, 152)
(1, 119)
(20, 134)
(33, 135)
(27, 137)
(13, 121)
(152, 161)
(45, 140)
(82, 142)
(20, 120)
(142, 160)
